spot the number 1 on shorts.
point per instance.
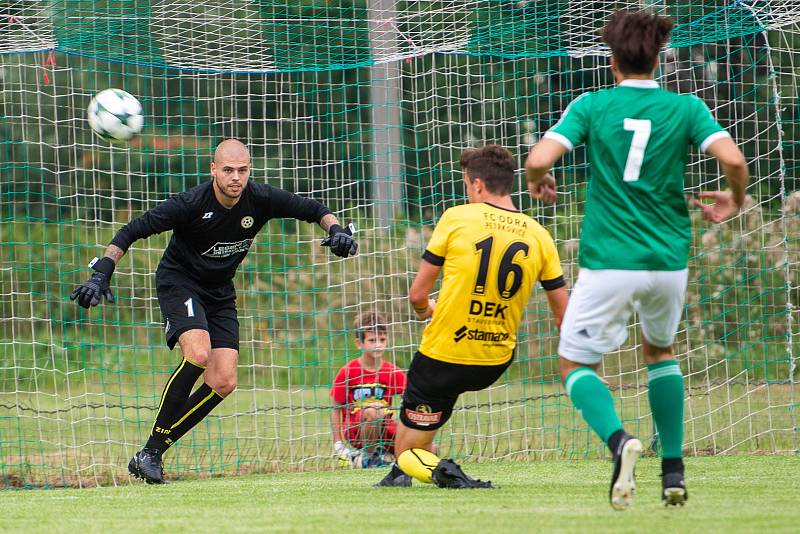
(189, 307)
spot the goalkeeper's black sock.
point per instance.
(173, 399)
(199, 405)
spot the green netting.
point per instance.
(319, 35)
(365, 106)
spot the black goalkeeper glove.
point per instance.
(93, 290)
(341, 241)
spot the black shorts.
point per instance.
(186, 305)
(433, 388)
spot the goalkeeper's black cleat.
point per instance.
(449, 474)
(673, 489)
(623, 482)
(147, 465)
(394, 479)
(133, 469)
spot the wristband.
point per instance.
(103, 265)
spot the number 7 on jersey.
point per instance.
(641, 135)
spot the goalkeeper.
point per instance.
(363, 391)
(635, 239)
(213, 226)
(490, 256)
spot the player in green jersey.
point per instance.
(635, 239)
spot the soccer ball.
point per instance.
(116, 116)
(422, 468)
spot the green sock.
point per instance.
(592, 398)
(666, 400)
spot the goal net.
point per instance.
(364, 105)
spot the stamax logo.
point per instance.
(460, 334)
(479, 335)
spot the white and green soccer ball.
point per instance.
(116, 116)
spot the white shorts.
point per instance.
(602, 302)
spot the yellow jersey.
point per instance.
(491, 257)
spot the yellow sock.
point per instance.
(418, 463)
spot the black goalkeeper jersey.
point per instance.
(208, 240)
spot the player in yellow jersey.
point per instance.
(491, 255)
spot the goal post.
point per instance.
(296, 80)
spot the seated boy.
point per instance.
(362, 392)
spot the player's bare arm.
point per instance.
(114, 253)
(557, 299)
(328, 221)
(419, 293)
(734, 167)
(541, 183)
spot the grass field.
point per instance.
(82, 441)
(727, 494)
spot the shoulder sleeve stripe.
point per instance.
(432, 258)
(555, 283)
(558, 138)
(711, 138)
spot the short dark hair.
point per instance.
(370, 321)
(493, 164)
(636, 38)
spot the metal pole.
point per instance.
(386, 133)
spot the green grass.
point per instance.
(86, 438)
(727, 494)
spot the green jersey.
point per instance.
(637, 138)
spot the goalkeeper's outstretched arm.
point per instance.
(163, 217)
(285, 204)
